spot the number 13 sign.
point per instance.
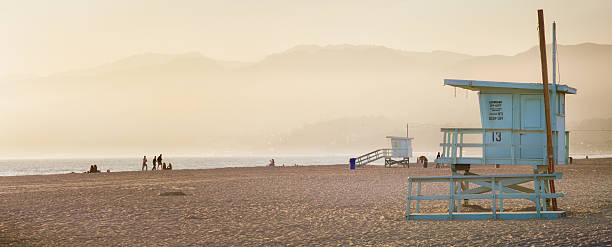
(496, 136)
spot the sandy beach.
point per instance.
(306, 205)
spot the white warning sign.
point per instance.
(496, 111)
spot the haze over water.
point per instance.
(276, 78)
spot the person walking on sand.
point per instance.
(159, 159)
(154, 163)
(144, 163)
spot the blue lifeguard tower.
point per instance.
(513, 133)
(399, 153)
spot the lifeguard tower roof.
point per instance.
(480, 85)
(400, 137)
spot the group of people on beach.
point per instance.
(157, 162)
(273, 164)
(423, 161)
(93, 169)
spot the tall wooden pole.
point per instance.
(549, 146)
(407, 136)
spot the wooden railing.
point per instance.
(453, 147)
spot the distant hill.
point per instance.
(581, 66)
(288, 99)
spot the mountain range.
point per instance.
(310, 97)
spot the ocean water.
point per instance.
(19, 167)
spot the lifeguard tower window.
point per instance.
(513, 125)
(560, 104)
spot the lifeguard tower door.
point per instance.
(532, 144)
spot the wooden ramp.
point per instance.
(385, 153)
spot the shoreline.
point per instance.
(182, 166)
(186, 169)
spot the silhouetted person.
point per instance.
(437, 163)
(144, 163)
(271, 162)
(169, 166)
(159, 159)
(91, 169)
(95, 168)
(164, 166)
(154, 163)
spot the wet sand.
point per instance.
(307, 205)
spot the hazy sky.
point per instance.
(40, 37)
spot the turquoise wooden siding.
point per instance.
(513, 124)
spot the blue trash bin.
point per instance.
(352, 163)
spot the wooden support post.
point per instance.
(458, 202)
(493, 197)
(549, 147)
(484, 147)
(444, 146)
(451, 199)
(461, 147)
(543, 189)
(408, 199)
(501, 200)
(454, 147)
(536, 185)
(418, 202)
(467, 187)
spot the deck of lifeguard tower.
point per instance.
(512, 133)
